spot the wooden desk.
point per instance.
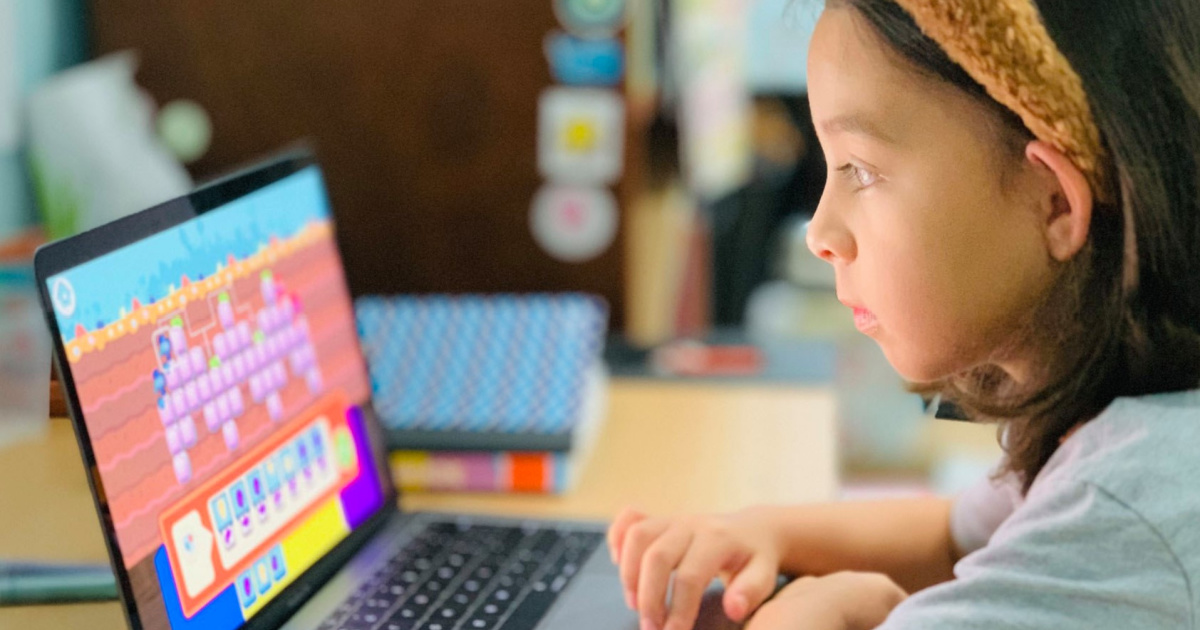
(667, 448)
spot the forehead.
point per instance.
(856, 83)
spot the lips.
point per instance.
(865, 320)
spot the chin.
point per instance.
(917, 368)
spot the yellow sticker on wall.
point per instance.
(581, 135)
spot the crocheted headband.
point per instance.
(1004, 45)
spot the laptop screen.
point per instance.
(220, 379)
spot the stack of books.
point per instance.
(486, 393)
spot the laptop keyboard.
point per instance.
(468, 577)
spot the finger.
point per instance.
(658, 563)
(637, 539)
(616, 532)
(765, 618)
(750, 588)
(701, 564)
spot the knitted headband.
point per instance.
(1004, 45)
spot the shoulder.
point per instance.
(1144, 453)
(1105, 538)
(1071, 557)
(1133, 469)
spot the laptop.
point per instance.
(210, 359)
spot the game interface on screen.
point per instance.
(220, 379)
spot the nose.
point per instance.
(829, 238)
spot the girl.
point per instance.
(1013, 214)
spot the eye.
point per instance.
(858, 175)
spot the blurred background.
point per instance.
(658, 153)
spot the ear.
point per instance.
(1067, 202)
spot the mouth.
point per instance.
(864, 320)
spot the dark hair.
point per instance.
(1111, 336)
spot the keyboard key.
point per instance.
(358, 621)
(530, 611)
(449, 567)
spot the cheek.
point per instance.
(926, 332)
(947, 290)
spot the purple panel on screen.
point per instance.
(363, 496)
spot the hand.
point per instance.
(743, 549)
(839, 601)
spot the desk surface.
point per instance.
(666, 448)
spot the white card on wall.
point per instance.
(581, 135)
(573, 223)
(9, 103)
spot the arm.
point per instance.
(906, 539)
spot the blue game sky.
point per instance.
(147, 269)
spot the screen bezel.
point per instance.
(57, 257)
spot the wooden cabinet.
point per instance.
(422, 112)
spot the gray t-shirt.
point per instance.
(1108, 536)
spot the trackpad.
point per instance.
(595, 602)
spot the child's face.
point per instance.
(939, 251)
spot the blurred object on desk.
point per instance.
(754, 227)
(655, 253)
(545, 471)
(687, 447)
(879, 419)
(807, 361)
(481, 371)
(10, 126)
(693, 358)
(668, 252)
(21, 246)
(803, 301)
(24, 345)
(37, 583)
(93, 151)
(37, 39)
(708, 41)
(486, 393)
(522, 471)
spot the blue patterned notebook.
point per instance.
(502, 372)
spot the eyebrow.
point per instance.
(856, 124)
